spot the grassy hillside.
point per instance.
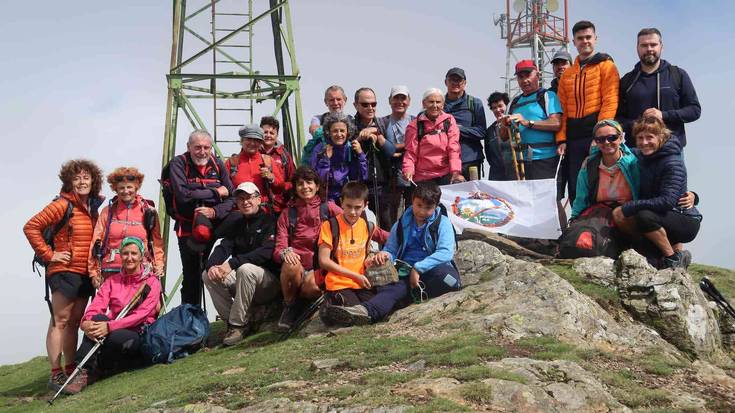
(374, 362)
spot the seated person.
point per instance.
(342, 255)
(609, 174)
(657, 214)
(121, 347)
(240, 271)
(424, 239)
(297, 231)
(339, 160)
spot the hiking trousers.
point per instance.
(120, 348)
(442, 279)
(241, 288)
(191, 267)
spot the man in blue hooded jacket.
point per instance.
(656, 88)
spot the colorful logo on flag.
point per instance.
(483, 209)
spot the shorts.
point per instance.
(71, 285)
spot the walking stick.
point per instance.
(139, 296)
(375, 183)
(712, 291)
(513, 151)
(516, 136)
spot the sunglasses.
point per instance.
(131, 178)
(608, 138)
(368, 104)
(419, 293)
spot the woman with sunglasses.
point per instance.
(127, 215)
(659, 214)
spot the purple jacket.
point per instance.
(343, 166)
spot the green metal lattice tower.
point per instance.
(214, 81)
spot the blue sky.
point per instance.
(87, 79)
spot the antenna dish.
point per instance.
(519, 6)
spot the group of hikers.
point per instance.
(360, 223)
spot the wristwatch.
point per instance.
(530, 124)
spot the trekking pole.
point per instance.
(517, 135)
(375, 183)
(709, 288)
(305, 316)
(139, 296)
(513, 152)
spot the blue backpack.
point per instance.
(178, 333)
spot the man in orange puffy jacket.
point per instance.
(588, 92)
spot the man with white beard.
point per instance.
(201, 189)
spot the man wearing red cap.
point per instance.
(536, 112)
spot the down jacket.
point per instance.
(588, 92)
(663, 181)
(438, 153)
(74, 237)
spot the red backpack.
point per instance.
(592, 234)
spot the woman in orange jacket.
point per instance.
(127, 215)
(66, 259)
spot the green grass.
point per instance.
(550, 348)
(722, 278)
(604, 296)
(478, 393)
(628, 390)
(478, 372)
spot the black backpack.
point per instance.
(150, 216)
(541, 98)
(592, 234)
(334, 227)
(49, 233)
(167, 189)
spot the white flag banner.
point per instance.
(519, 208)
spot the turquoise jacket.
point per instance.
(628, 163)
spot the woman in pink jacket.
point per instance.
(121, 347)
(432, 144)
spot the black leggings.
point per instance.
(678, 227)
(121, 349)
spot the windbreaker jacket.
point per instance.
(471, 124)
(246, 240)
(657, 90)
(440, 253)
(282, 174)
(306, 230)
(438, 154)
(127, 220)
(192, 188)
(587, 195)
(74, 237)
(588, 92)
(117, 291)
(663, 181)
(344, 165)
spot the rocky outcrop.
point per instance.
(669, 301)
(598, 270)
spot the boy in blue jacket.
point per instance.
(422, 238)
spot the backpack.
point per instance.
(176, 334)
(167, 188)
(292, 220)
(150, 216)
(49, 233)
(592, 234)
(542, 98)
(433, 228)
(321, 276)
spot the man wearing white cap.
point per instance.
(240, 271)
(394, 126)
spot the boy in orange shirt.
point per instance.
(344, 263)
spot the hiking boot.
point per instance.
(56, 381)
(78, 383)
(235, 334)
(355, 315)
(290, 314)
(675, 261)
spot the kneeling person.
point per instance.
(121, 347)
(240, 271)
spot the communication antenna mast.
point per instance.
(214, 80)
(531, 27)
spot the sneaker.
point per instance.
(78, 383)
(290, 314)
(56, 381)
(674, 261)
(234, 335)
(355, 315)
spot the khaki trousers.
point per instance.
(234, 295)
